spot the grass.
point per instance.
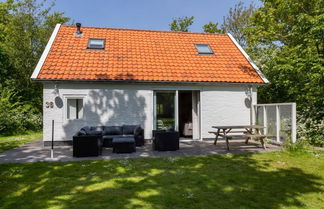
(9, 142)
(269, 180)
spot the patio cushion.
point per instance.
(86, 129)
(123, 140)
(170, 129)
(116, 136)
(129, 129)
(90, 131)
(96, 128)
(94, 133)
(112, 130)
(82, 133)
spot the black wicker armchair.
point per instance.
(87, 145)
(165, 140)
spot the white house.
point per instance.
(108, 76)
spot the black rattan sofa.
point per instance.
(125, 131)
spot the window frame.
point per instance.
(66, 97)
(96, 48)
(204, 53)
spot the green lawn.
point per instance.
(268, 180)
(9, 142)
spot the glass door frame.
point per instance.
(176, 108)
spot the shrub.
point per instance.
(311, 127)
(301, 146)
(16, 117)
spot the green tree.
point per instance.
(211, 28)
(293, 29)
(25, 28)
(289, 23)
(237, 20)
(292, 32)
(181, 24)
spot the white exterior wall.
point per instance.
(224, 105)
(118, 104)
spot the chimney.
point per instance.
(78, 32)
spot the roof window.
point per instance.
(96, 43)
(203, 49)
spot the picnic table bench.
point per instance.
(241, 131)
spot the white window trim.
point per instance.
(72, 96)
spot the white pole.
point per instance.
(52, 149)
(265, 120)
(293, 122)
(278, 122)
(52, 146)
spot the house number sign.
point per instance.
(49, 104)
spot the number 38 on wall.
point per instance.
(49, 104)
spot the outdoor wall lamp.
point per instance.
(248, 91)
(56, 90)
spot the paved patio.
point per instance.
(36, 152)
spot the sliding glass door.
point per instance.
(176, 108)
(165, 109)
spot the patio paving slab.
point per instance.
(36, 152)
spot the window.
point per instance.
(74, 108)
(95, 43)
(204, 49)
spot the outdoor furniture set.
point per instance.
(241, 131)
(123, 139)
(89, 141)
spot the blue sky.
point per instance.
(144, 14)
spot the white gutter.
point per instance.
(248, 58)
(149, 82)
(45, 52)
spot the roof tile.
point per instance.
(144, 55)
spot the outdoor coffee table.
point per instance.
(124, 145)
(244, 131)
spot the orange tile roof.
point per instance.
(143, 55)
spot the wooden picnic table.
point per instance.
(243, 131)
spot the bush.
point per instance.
(311, 127)
(301, 146)
(16, 117)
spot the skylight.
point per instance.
(204, 49)
(96, 43)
